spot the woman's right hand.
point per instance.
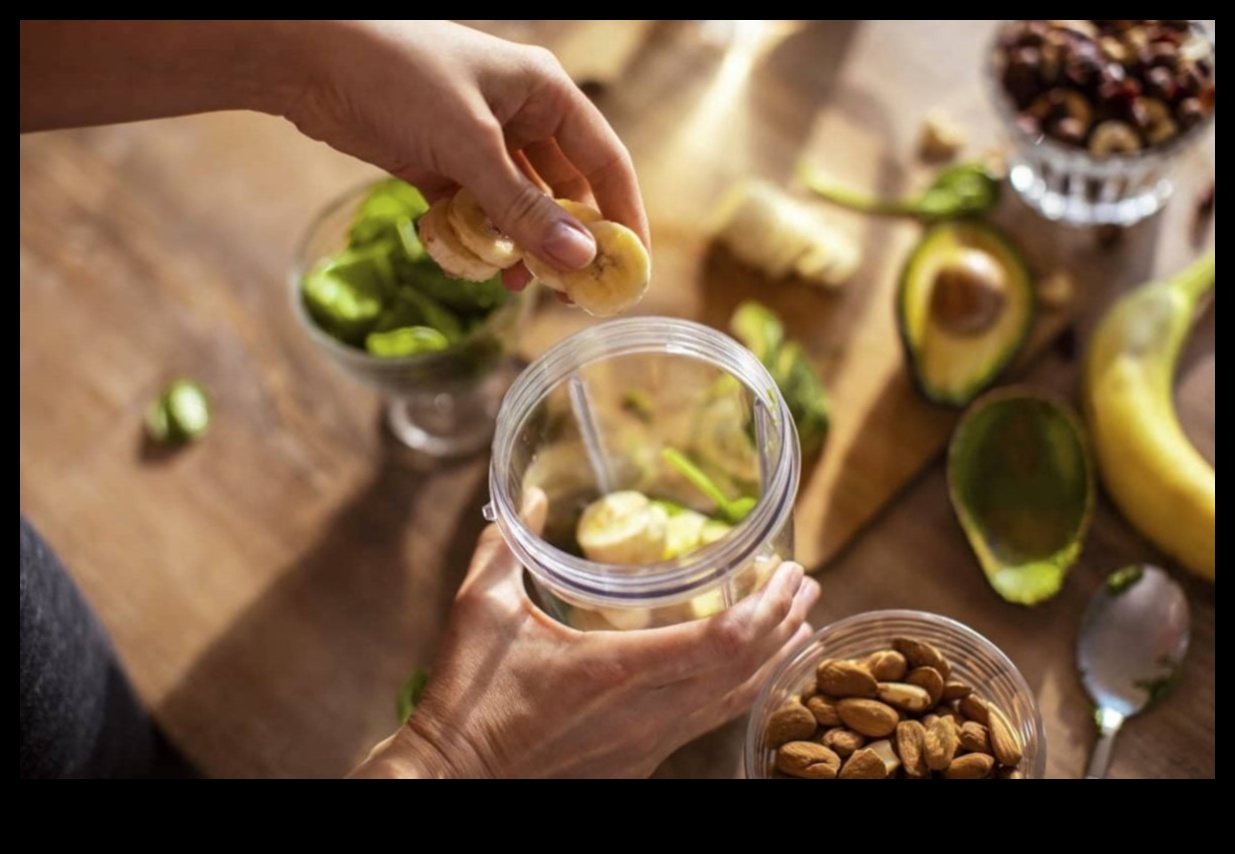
(516, 694)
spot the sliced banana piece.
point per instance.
(444, 247)
(773, 232)
(478, 233)
(684, 533)
(616, 279)
(549, 275)
(623, 528)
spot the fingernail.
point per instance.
(796, 574)
(569, 246)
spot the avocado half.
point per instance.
(964, 307)
(1021, 483)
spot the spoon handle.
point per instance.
(1109, 723)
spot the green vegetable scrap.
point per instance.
(180, 414)
(763, 334)
(733, 510)
(1121, 579)
(383, 294)
(410, 693)
(966, 189)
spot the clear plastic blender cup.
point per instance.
(595, 415)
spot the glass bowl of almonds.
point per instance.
(1100, 112)
(896, 694)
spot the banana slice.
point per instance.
(444, 246)
(623, 528)
(478, 233)
(684, 533)
(616, 279)
(586, 214)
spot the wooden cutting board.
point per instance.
(742, 108)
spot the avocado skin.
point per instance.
(982, 235)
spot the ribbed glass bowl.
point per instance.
(974, 660)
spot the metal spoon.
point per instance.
(1133, 638)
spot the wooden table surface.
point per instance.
(271, 587)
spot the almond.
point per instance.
(864, 764)
(843, 741)
(791, 722)
(1011, 774)
(974, 708)
(824, 710)
(941, 743)
(954, 689)
(808, 760)
(971, 766)
(910, 741)
(883, 749)
(975, 738)
(929, 679)
(1005, 741)
(887, 665)
(869, 717)
(845, 679)
(919, 653)
(911, 698)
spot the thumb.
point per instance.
(532, 219)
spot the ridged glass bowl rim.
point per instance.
(891, 622)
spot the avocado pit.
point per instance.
(969, 293)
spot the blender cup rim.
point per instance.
(603, 584)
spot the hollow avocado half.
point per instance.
(964, 307)
(1021, 483)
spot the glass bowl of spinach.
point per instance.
(439, 350)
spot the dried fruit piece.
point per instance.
(843, 741)
(883, 749)
(975, 738)
(954, 689)
(919, 653)
(941, 137)
(941, 743)
(1005, 741)
(791, 722)
(930, 680)
(1056, 290)
(902, 695)
(869, 717)
(864, 764)
(824, 710)
(911, 746)
(887, 665)
(971, 766)
(808, 760)
(839, 678)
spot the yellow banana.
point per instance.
(615, 280)
(1150, 468)
(443, 245)
(478, 233)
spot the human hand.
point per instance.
(516, 694)
(443, 106)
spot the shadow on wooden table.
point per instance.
(332, 639)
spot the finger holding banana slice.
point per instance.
(466, 244)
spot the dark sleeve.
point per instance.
(79, 716)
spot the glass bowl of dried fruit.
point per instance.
(376, 304)
(1100, 112)
(890, 694)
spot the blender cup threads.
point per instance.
(594, 415)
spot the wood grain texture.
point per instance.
(271, 587)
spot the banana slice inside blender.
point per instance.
(478, 233)
(445, 247)
(623, 528)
